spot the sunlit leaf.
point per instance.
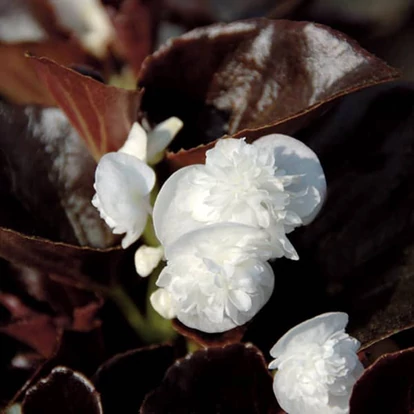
(102, 114)
(251, 78)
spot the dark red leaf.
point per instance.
(82, 351)
(79, 350)
(17, 365)
(124, 380)
(233, 379)
(38, 331)
(38, 327)
(362, 241)
(387, 386)
(249, 78)
(85, 317)
(45, 293)
(357, 256)
(47, 178)
(204, 339)
(80, 265)
(102, 114)
(64, 391)
(19, 82)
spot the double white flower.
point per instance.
(317, 366)
(267, 188)
(276, 183)
(216, 277)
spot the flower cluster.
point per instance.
(317, 366)
(222, 221)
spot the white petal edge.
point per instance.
(294, 157)
(315, 330)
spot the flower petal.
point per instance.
(240, 300)
(122, 184)
(136, 143)
(222, 236)
(295, 158)
(160, 137)
(169, 221)
(315, 330)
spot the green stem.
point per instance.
(131, 313)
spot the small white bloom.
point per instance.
(317, 366)
(89, 21)
(147, 259)
(123, 184)
(149, 147)
(216, 277)
(276, 183)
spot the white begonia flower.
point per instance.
(89, 21)
(317, 365)
(149, 147)
(216, 277)
(276, 183)
(147, 259)
(123, 184)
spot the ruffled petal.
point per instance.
(295, 158)
(315, 330)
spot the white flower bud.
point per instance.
(149, 147)
(147, 259)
